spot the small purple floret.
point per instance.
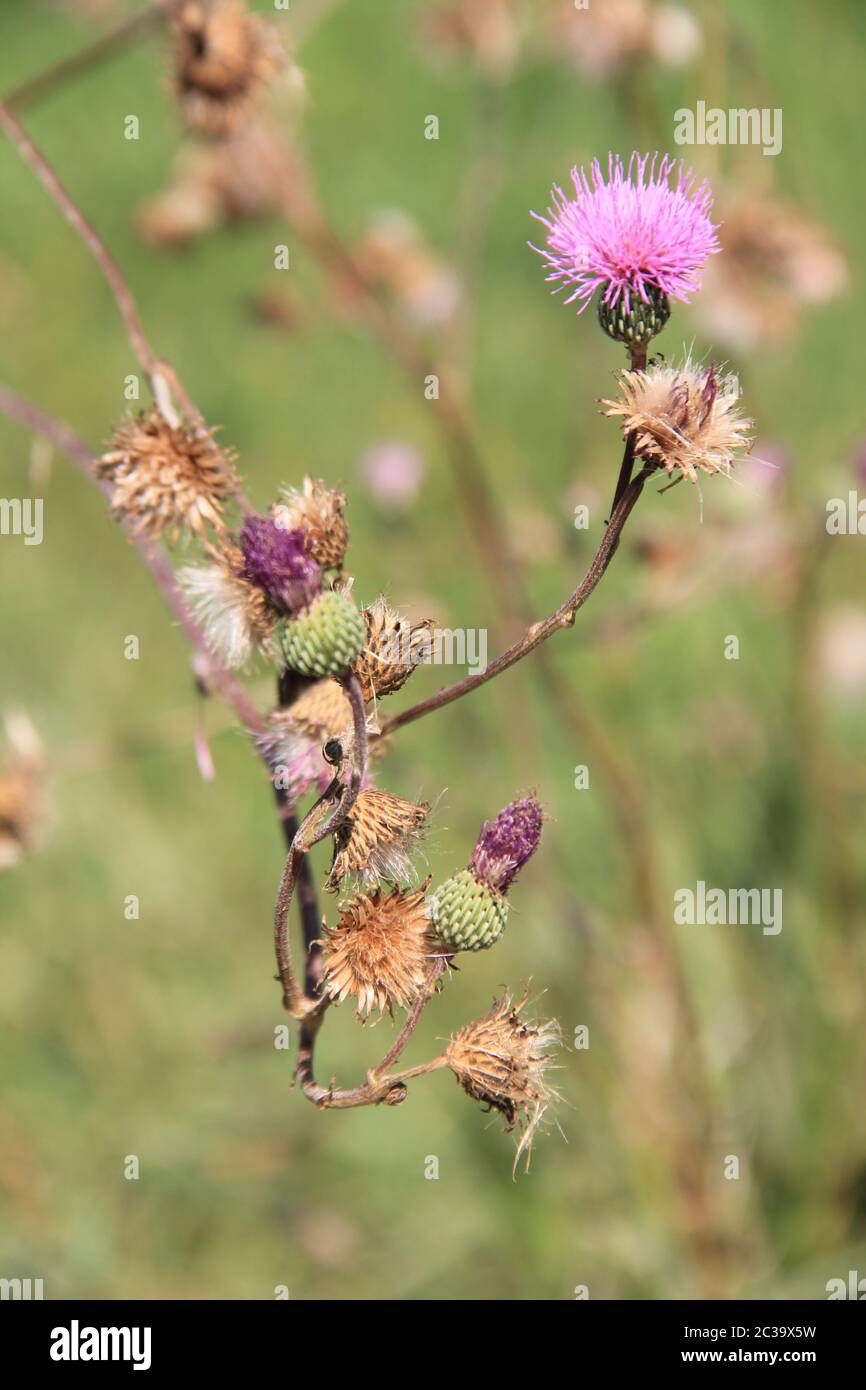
(276, 560)
(505, 844)
(647, 224)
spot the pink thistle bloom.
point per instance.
(633, 232)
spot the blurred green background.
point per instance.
(155, 1037)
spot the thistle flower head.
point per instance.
(224, 57)
(278, 562)
(500, 1060)
(684, 419)
(393, 647)
(505, 843)
(376, 838)
(379, 950)
(631, 232)
(294, 742)
(237, 616)
(166, 479)
(317, 510)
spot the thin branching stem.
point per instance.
(539, 632)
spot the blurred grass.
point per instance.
(154, 1037)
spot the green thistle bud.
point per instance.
(325, 638)
(467, 914)
(638, 324)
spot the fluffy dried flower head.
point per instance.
(224, 57)
(629, 233)
(393, 254)
(236, 615)
(294, 743)
(685, 419)
(500, 1060)
(233, 180)
(379, 950)
(318, 511)
(165, 479)
(278, 562)
(485, 31)
(605, 39)
(376, 838)
(777, 259)
(393, 647)
(505, 843)
(22, 811)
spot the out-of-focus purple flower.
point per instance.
(393, 473)
(860, 464)
(277, 561)
(630, 233)
(505, 843)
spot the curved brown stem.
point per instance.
(561, 617)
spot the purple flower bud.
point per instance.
(277, 561)
(506, 843)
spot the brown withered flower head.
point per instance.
(223, 59)
(379, 951)
(237, 617)
(500, 1060)
(393, 647)
(317, 510)
(167, 480)
(233, 180)
(778, 261)
(298, 733)
(375, 839)
(684, 419)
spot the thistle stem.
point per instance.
(561, 617)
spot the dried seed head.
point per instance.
(223, 59)
(278, 562)
(325, 638)
(318, 511)
(379, 950)
(376, 838)
(321, 711)
(500, 1060)
(505, 843)
(22, 811)
(167, 480)
(683, 419)
(393, 647)
(299, 735)
(237, 616)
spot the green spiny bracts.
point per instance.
(467, 914)
(325, 638)
(640, 323)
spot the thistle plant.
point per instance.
(272, 589)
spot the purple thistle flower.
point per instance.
(630, 233)
(277, 561)
(505, 844)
